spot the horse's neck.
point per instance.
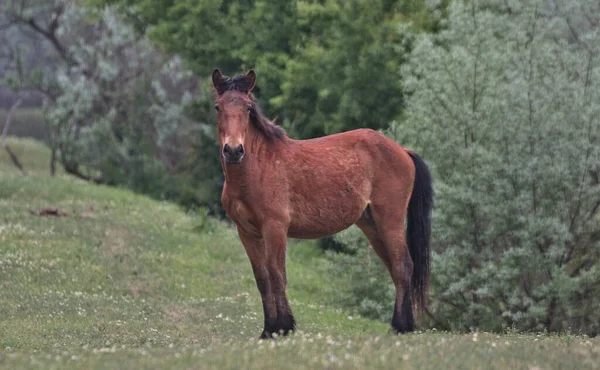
(256, 143)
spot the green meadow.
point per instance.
(124, 281)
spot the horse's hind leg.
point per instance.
(384, 227)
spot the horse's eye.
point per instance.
(217, 108)
(249, 109)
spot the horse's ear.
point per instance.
(251, 78)
(217, 77)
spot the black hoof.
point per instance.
(402, 329)
(285, 325)
(403, 325)
(404, 322)
(265, 335)
(399, 332)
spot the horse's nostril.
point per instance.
(235, 153)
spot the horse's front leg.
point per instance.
(255, 249)
(275, 240)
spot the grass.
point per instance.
(128, 282)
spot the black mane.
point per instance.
(263, 124)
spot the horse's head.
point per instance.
(233, 105)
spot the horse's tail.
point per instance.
(419, 231)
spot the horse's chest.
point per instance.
(240, 213)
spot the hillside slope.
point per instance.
(123, 281)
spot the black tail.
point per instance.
(419, 231)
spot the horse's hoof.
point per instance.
(285, 325)
(285, 332)
(265, 335)
(401, 331)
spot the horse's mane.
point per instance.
(264, 125)
(240, 83)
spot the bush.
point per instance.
(505, 106)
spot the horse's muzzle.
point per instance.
(233, 155)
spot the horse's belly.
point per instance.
(321, 219)
(315, 233)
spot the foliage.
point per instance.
(324, 66)
(114, 104)
(504, 106)
(334, 84)
(29, 45)
(119, 106)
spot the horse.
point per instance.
(277, 187)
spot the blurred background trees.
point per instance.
(112, 103)
(500, 98)
(324, 66)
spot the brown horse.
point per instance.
(277, 187)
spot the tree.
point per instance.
(11, 154)
(29, 48)
(505, 105)
(114, 103)
(120, 111)
(344, 72)
(320, 62)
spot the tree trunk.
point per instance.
(12, 155)
(53, 161)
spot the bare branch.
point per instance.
(50, 35)
(49, 32)
(12, 155)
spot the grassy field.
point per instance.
(123, 281)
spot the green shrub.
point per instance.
(505, 107)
